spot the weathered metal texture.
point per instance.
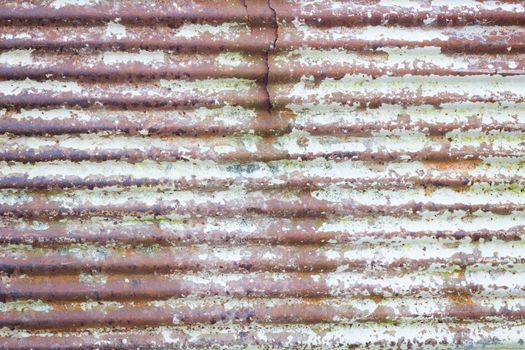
(262, 174)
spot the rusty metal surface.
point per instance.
(262, 174)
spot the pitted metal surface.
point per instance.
(262, 174)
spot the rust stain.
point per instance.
(444, 165)
(262, 174)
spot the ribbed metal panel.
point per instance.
(252, 174)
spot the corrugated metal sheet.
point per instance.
(253, 174)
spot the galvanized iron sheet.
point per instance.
(262, 174)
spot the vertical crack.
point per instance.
(273, 19)
(271, 47)
(267, 21)
(246, 7)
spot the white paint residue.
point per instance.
(310, 56)
(388, 252)
(39, 226)
(86, 252)
(270, 256)
(475, 5)
(52, 114)
(100, 305)
(209, 85)
(299, 143)
(387, 114)
(168, 336)
(332, 254)
(481, 86)
(416, 57)
(227, 31)
(232, 59)
(143, 56)
(219, 279)
(372, 33)
(342, 283)
(113, 196)
(496, 140)
(230, 225)
(497, 281)
(397, 58)
(228, 115)
(398, 141)
(428, 222)
(478, 194)
(58, 4)
(115, 30)
(17, 57)
(13, 197)
(224, 149)
(15, 87)
(413, 5)
(230, 255)
(25, 305)
(429, 21)
(94, 278)
(250, 142)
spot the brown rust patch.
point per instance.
(448, 165)
(461, 299)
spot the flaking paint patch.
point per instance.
(227, 30)
(100, 305)
(396, 58)
(508, 334)
(250, 142)
(50, 115)
(142, 56)
(19, 57)
(58, 4)
(230, 59)
(230, 255)
(496, 139)
(16, 87)
(473, 4)
(239, 85)
(384, 33)
(229, 115)
(93, 278)
(480, 87)
(39, 226)
(85, 252)
(113, 196)
(455, 221)
(448, 113)
(301, 142)
(477, 194)
(115, 30)
(500, 279)
(417, 57)
(26, 305)
(221, 280)
(10, 197)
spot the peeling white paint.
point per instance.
(116, 30)
(227, 30)
(58, 4)
(142, 56)
(230, 59)
(19, 57)
(16, 87)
